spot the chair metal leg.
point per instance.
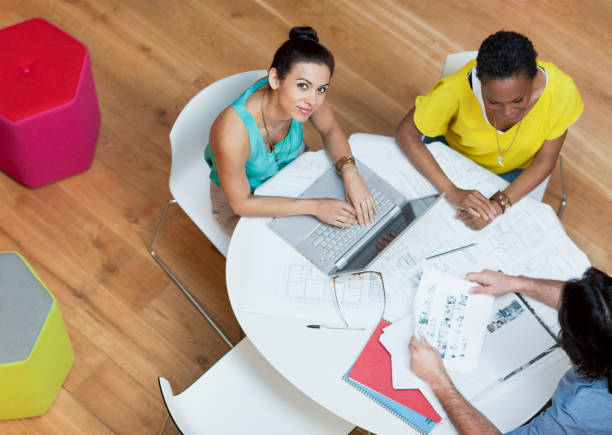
(178, 283)
(563, 190)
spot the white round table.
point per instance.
(314, 360)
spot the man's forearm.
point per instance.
(465, 418)
(543, 290)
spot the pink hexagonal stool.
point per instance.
(49, 114)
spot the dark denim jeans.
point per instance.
(509, 176)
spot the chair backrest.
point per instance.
(455, 61)
(243, 393)
(189, 182)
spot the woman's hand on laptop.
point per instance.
(334, 212)
(358, 194)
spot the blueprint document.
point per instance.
(299, 290)
(527, 240)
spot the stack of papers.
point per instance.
(508, 341)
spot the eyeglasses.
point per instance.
(357, 282)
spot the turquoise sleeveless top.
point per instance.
(262, 163)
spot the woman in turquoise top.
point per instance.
(261, 132)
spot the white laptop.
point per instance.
(336, 250)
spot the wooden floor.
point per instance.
(88, 236)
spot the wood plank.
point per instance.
(67, 416)
(120, 402)
(345, 85)
(177, 320)
(15, 427)
(109, 323)
(51, 217)
(200, 267)
(116, 195)
(169, 428)
(87, 358)
(587, 212)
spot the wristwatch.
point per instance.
(502, 199)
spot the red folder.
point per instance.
(373, 369)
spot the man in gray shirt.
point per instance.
(582, 402)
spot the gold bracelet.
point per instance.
(502, 199)
(348, 159)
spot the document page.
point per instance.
(451, 319)
(514, 336)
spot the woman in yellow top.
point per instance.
(505, 111)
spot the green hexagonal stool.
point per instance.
(35, 352)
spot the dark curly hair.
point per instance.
(585, 317)
(302, 46)
(506, 54)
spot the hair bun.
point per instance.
(303, 33)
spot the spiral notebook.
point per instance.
(371, 375)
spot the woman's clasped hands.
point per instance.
(474, 209)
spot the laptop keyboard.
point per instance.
(332, 241)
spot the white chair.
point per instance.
(453, 63)
(189, 182)
(242, 393)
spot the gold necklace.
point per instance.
(263, 118)
(500, 155)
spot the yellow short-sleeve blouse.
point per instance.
(451, 109)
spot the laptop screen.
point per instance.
(411, 210)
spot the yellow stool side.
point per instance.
(30, 386)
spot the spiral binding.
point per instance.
(371, 397)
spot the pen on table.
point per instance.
(524, 366)
(514, 372)
(448, 252)
(334, 327)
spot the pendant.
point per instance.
(499, 161)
